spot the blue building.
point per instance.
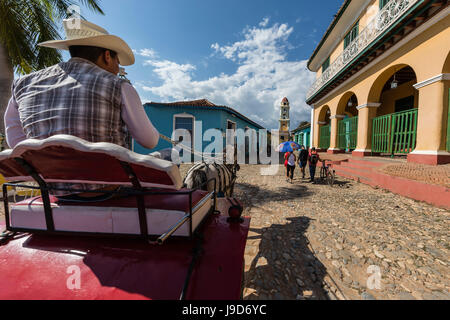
(196, 117)
(302, 135)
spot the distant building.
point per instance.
(168, 117)
(383, 81)
(285, 121)
(302, 135)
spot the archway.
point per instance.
(394, 128)
(324, 115)
(347, 105)
(324, 127)
(347, 122)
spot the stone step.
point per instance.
(373, 163)
(351, 173)
(357, 165)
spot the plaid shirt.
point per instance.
(76, 98)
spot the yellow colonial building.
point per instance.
(383, 79)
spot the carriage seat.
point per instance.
(64, 158)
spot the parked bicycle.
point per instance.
(327, 173)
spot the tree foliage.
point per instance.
(25, 23)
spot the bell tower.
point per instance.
(285, 121)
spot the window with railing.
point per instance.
(352, 35)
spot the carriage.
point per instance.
(151, 238)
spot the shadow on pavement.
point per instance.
(284, 267)
(254, 195)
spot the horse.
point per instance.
(225, 175)
(200, 173)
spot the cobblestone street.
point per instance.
(319, 242)
(313, 241)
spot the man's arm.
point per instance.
(137, 121)
(13, 126)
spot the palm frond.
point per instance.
(25, 23)
(15, 36)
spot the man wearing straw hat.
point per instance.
(82, 97)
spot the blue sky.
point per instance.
(246, 54)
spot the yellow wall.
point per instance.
(371, 11)
(284, 127)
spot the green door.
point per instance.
(325, 137)
(348, 133)
(395, 133)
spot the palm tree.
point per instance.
(24, 24)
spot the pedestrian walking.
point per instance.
(291, 159)
(303, 160)
(313, 160)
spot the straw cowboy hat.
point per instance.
(84, 33)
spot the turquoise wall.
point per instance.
(306, 137)
(162, 117)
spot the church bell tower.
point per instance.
(285, 122)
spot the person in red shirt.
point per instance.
(290, 165)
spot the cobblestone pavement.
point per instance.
(312, 241)
(399, 167)
(430, 174)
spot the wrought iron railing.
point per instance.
(348, 133)
(395, 133)
(377, 26)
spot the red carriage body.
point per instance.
(108, 249)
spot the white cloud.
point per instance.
(148, 53)
(264, 23)
(263, 77)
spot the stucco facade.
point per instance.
(420, 57)
(204, 115)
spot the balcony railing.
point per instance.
(377, 26)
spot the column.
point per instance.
(366, 114)
(319, 125)
(334, 143)
(313, 128)
(432, 121)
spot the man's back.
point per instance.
(76, 98)
(313, 158)
(303, 155)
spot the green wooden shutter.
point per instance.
(352, 35)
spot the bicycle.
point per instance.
(326, 173)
